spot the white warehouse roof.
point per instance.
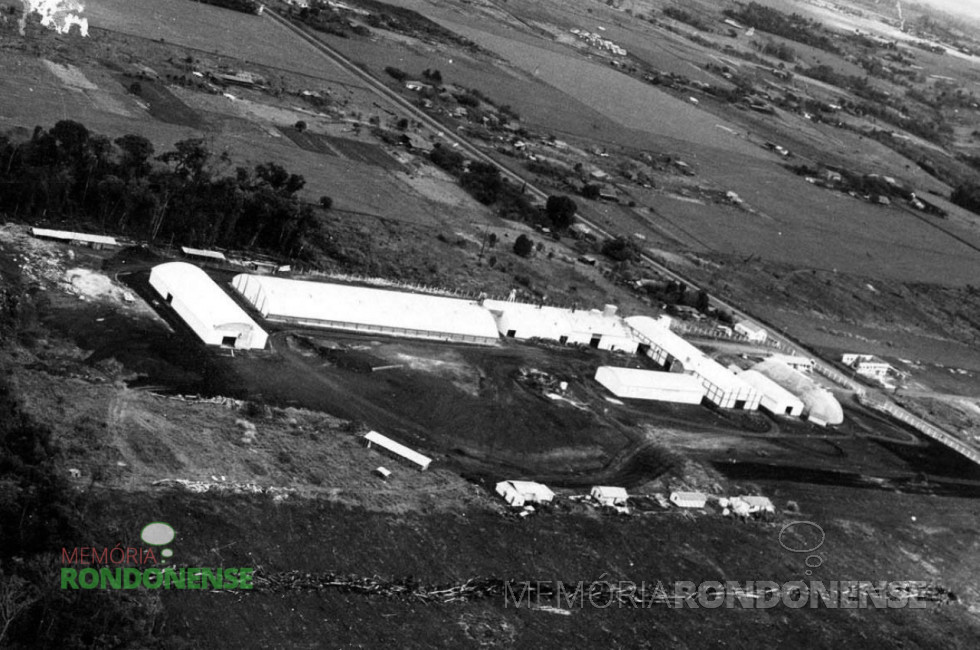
(383, 311)
(74, 236)
(517, 493)
(775, 398)
(651, 384)
(651, 330)
(609, 494)
(197, 252)
(205, 307)
(819, 403)
(578, 326)
(386, 443)
(688, 499)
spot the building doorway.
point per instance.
(229, 341)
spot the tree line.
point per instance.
(71, 177)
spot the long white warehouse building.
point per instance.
(631, 383)
(722, 387)
(364, 309)
(604, 329)
(205, 307)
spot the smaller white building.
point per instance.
(751, 331)
(868, 365)
(796, 362)
(688, 499)
(373, 438)
(774, 398)
(609, 496)
(521, 493)
(631, 383)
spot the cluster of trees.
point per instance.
(793, 26)
(781, 51)
(620, 249)
(686, 17)
(484, 183)
(396, 73)
(967, 195)
(245, 6)
(88, 181)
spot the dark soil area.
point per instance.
(553, 545)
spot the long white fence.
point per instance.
(921, 425)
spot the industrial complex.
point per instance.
(688, 375)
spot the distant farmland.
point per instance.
(212, 29)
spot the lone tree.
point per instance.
(326, 202)
(620, 249)
(561, 211)
(523, 246)
(300, 126)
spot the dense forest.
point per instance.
(70, 177)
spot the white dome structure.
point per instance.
(819, 404)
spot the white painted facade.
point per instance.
(773, 397)
(630, 383)
(365, 309)
(205, 307)
(604, 329)
(521, 493)
(722, 387)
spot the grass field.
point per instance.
(248, 38)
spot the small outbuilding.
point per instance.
(609, 496)
(751, 331)
(521, 493)
(688, 499)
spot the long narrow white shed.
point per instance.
(205, 307)
(398, 449)
(365, 309)
(656, 385)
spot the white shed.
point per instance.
(519, 493)
(632, 383)
(775, 399)
(397, 449)
(688, 499)
(205, 307)
(819, 404)
(609, 496)
(751, 331)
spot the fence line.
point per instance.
(920, 425)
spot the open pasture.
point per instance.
(249, 38)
